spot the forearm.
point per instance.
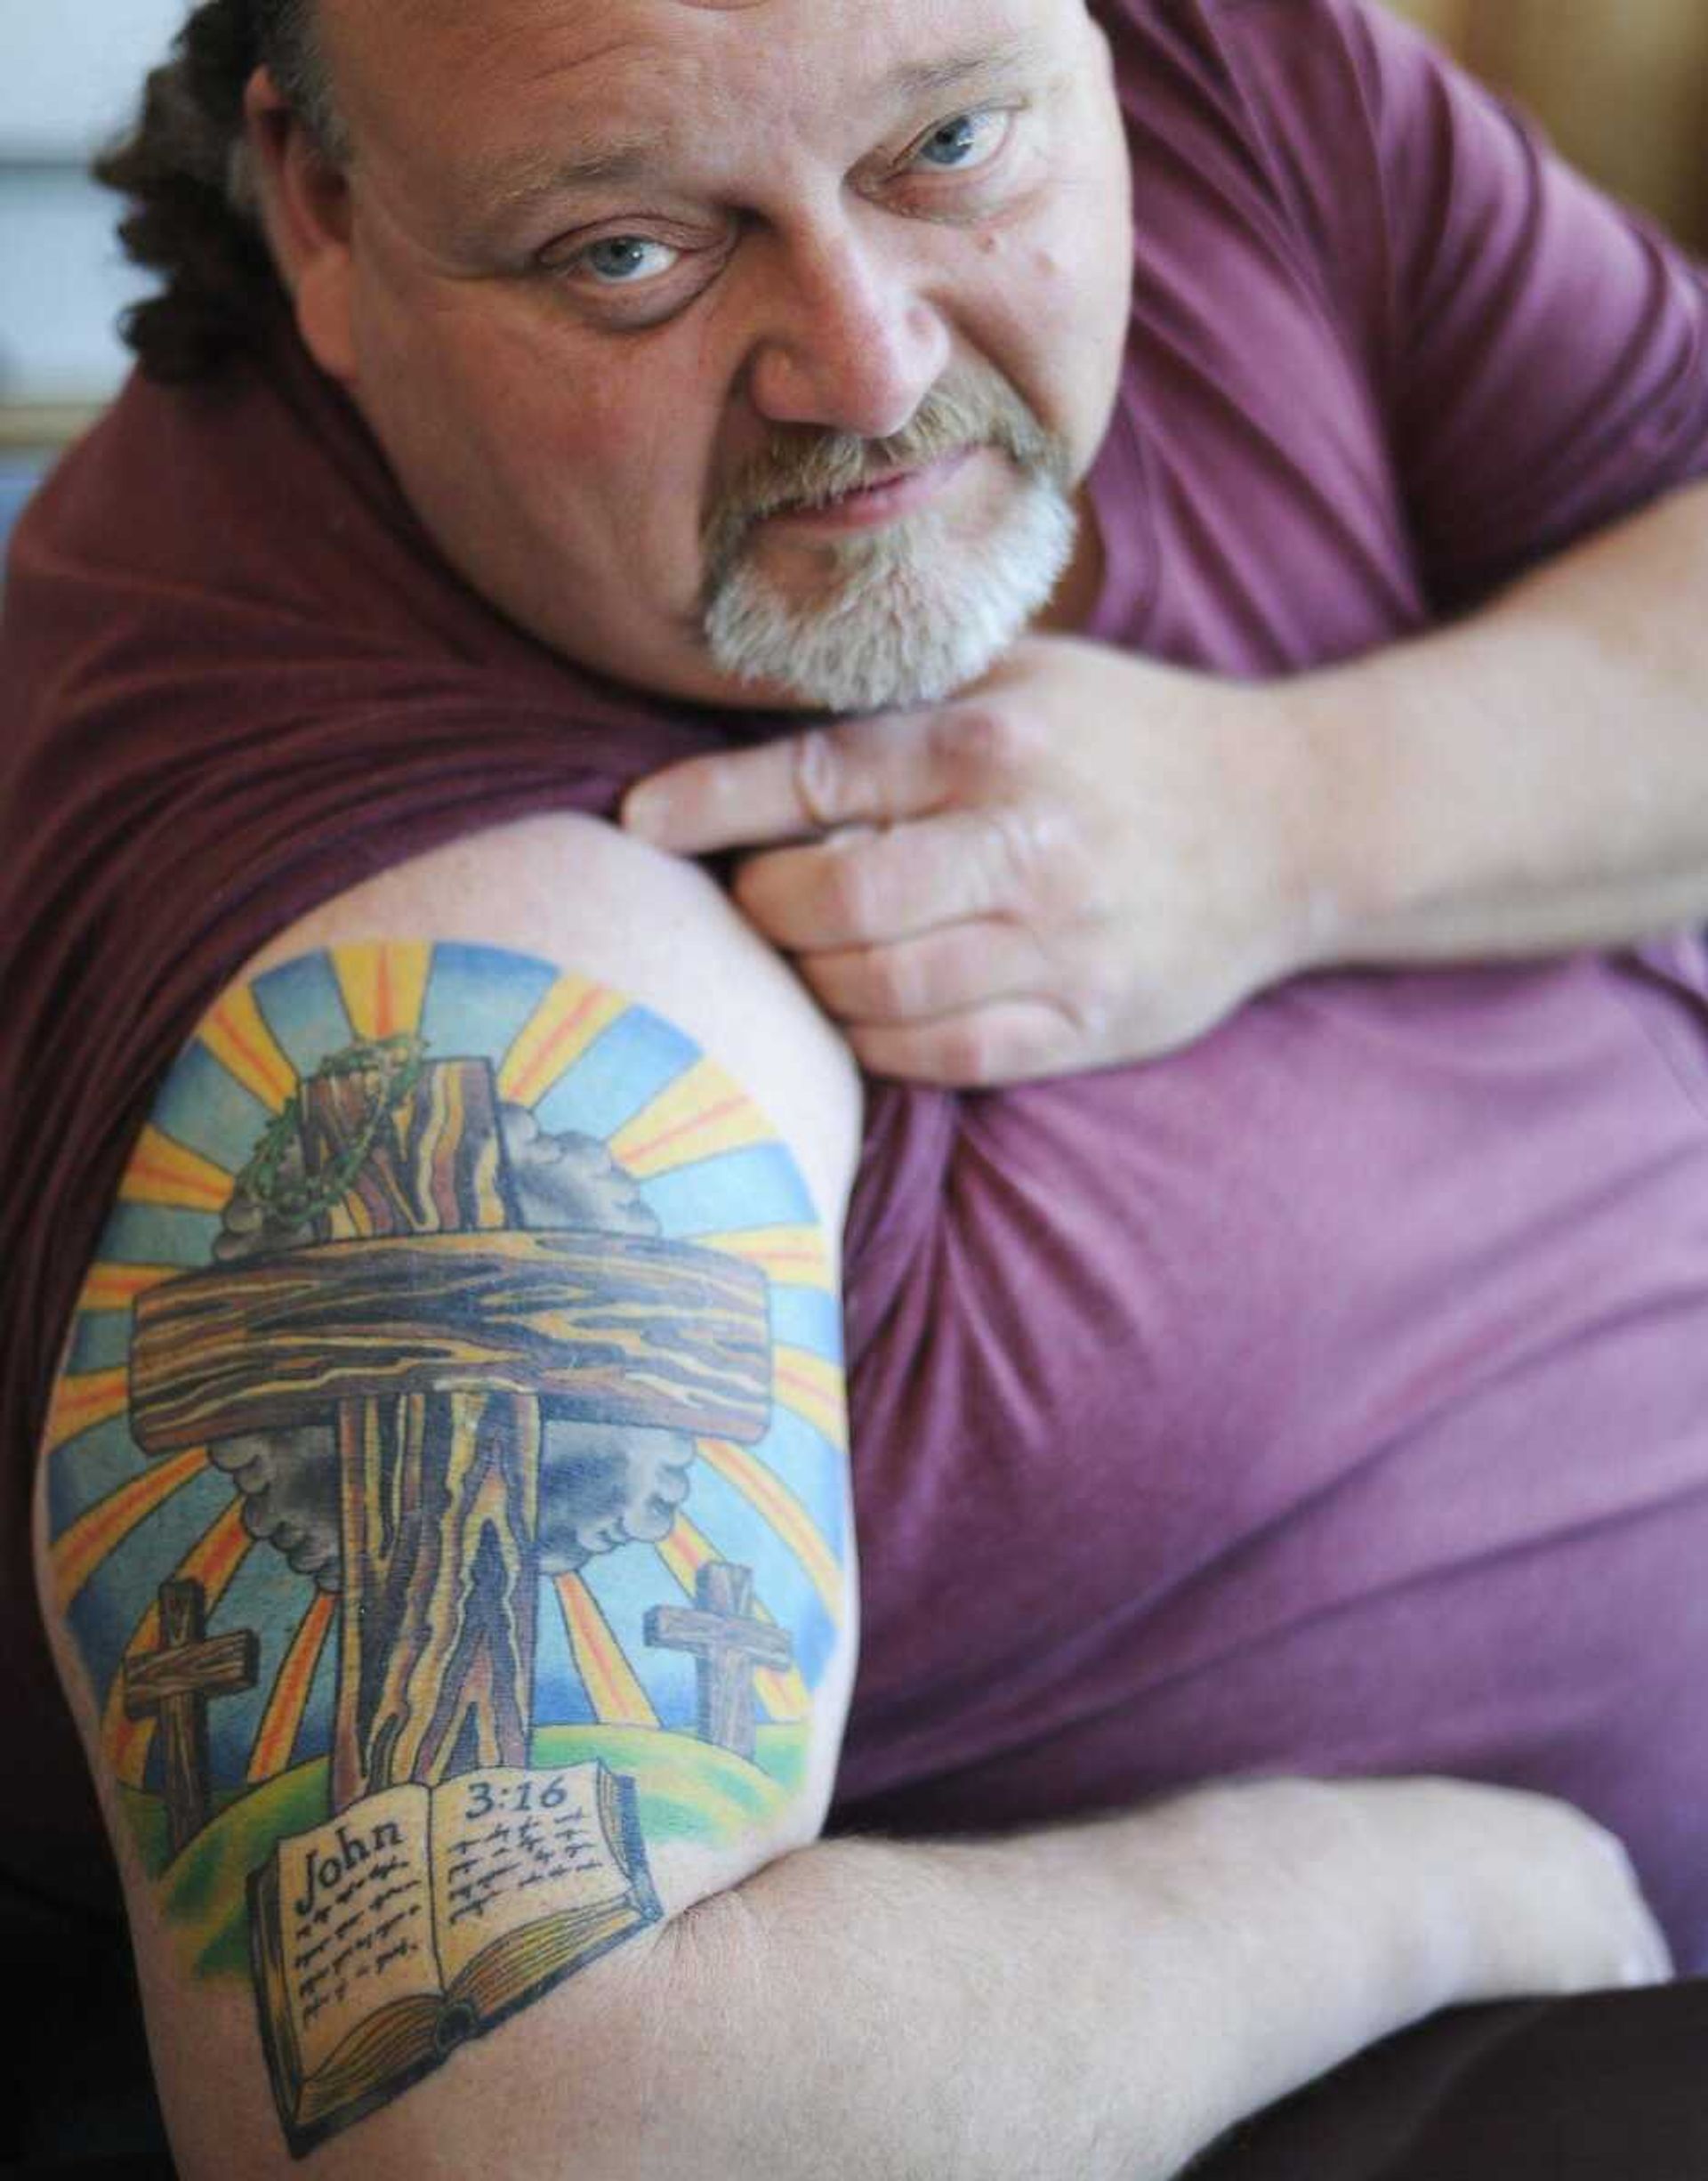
(1533, 779)
(1101, 2001)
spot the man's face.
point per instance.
(638, 292)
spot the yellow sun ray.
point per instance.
(573, 1014)
(785, 1696)
(384, 985)
(766, 1492)
(115, 1287)
(282, 1721)
(237, 1037)
(685, 1552)
(212, 1562)
(703, 1113)
(100, 1531)
(82, 1399)
(791, 1256)
(166, 1173)
(813, 1389)
(615, 1694)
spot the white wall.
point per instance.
(69, 68)
(70, 73)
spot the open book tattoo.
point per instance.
(448, 1494)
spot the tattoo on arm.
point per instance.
(446, 1494)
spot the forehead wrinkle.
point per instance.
(515, 181)
(512, 182)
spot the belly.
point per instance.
(1328, 1397)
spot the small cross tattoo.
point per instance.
(174, 1684)
(728, 1645)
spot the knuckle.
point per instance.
(819, 775)
(768, 891)
(830, 983)
(1023, 855)
(880, 1053)
(1075, 883)
(1093, 996)
(863, 982)
(969, 1054)
(750, 887)
(845, 892)
(983, 744)
(893, 979)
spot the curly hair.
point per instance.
(185, 169)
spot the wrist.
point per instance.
(1409, 1892)
(1328, 881)
(1399, 832)
(1310, 1926)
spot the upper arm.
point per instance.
(456, 1400)
(1541, 349)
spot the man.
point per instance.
(442, 1493)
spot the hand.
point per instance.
(1519, 1893)
(1299, 1920)
(1090, 859)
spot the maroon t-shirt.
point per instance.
(1329, 1397)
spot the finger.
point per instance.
(861, 887)
(880, 771)
(982, 1048)
(946, 971)
(855, 772)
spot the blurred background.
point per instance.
(70, 70)
(1621, 85)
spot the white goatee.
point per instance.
(906, 616)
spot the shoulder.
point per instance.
(571, 888)
(1270, 54)
(1283, 90)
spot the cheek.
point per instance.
(1053, 317)
(1088, 284)
(606, 439)
(1080, 279)
(550, 442)
(1081, 258)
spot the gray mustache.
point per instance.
(811, 471)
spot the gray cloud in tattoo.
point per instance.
(601, 1485)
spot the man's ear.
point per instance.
(304, 204)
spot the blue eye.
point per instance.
(959, 143)
(624, 260)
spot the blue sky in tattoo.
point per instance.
(665, 1147)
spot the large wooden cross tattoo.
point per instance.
(431, 1345)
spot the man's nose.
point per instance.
(848, 341)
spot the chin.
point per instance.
(907, 616)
